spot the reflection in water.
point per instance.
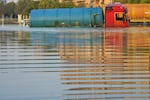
(117, 65)
(85, 64)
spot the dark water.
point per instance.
(74, 63)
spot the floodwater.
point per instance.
(74, 63)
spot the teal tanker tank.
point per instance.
(67, 17)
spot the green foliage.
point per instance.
(144, 1)
(29, 6)
(1, 3)
(54, 4)
(25, 6)
(9, 9)
(1, 8)
(44, 4)
(22, 6)
(66, 5)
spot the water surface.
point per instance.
(74, 63)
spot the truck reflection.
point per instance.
(102, 64)
(107, 65)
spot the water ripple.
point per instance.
(75, 64)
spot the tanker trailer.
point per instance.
(67, 17)
(115, 16)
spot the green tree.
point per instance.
(25, 6)
(143, 1)
(45, 4)
(21, 5)
(1, 8)
(54, 4)
(67, 5)
(30, 6)
(0, 2)
(9, 9)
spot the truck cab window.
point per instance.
(119, 16)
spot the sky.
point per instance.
(12, 0)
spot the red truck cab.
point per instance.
(116, 15)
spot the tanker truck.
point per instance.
(115, 16)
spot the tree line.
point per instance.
(24, 7)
